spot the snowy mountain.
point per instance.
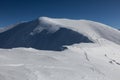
(59, 49)
(44, 34)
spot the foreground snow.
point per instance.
(79, 62)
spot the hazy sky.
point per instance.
(105, 11)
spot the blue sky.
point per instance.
(104, 11)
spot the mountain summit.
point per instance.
(54, 34)
(43, 33)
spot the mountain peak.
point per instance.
(44, 34)
(43, 18)
(45, 23)
(47, 20)
(55, 33)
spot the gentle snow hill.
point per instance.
(93, 51)
(53, 34)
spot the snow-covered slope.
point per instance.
(93, 51)
(85, 62)
(91, 29)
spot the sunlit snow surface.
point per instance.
(85, 61)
